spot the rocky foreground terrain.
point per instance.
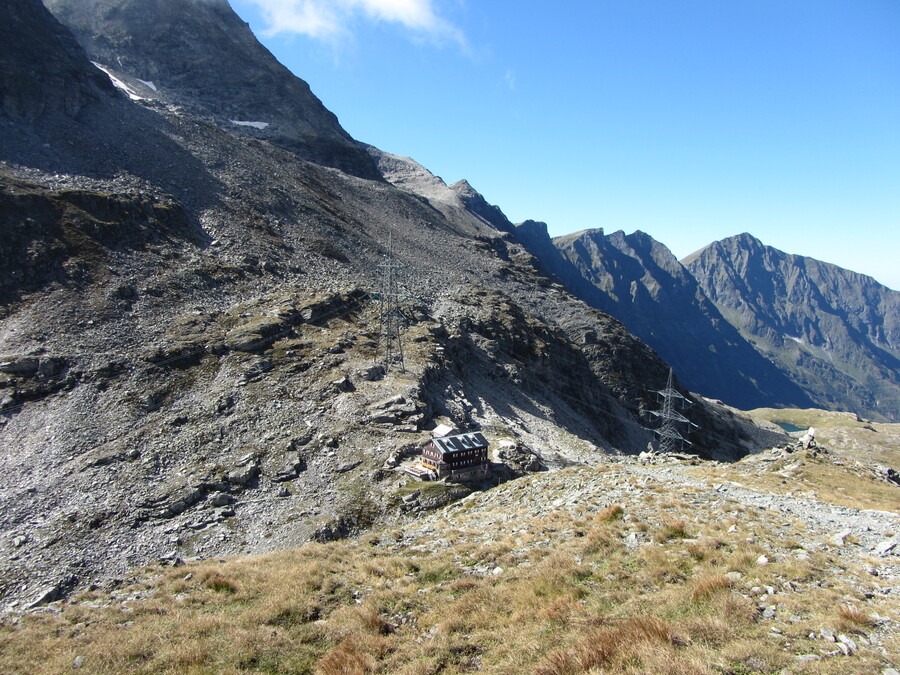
(633, 565)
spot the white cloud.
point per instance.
(328, 19)
(510, 79)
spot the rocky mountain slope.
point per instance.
(67, 82)
(207, 61)
(834, 332)
(190, 322)
(741, 321)
(639, 281)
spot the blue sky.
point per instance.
(691, 120)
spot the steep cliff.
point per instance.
(834, 332)
(200, 55)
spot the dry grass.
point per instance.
(853, 619)
(562, 604)
(857, 445)
(709, 585)
(611, 512)
(647, 641)
(831, 483)
(671, 529)
(345, 659)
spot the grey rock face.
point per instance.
(200, 55)
(53, 79)
(459, 203)
(834, 332)
(475, 202)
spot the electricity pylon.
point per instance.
(391, 319)
(669, 430)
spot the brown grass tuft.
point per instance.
(220, 583)
(345, 659)
(559, 662)
(644, 629)
(853, 619)
(610, 513)
(559, 610)
(671, 529)
(708, 586)
(605, 645)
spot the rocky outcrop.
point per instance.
(68, 237)
(834, 332)
(475, 202)
(459, 203)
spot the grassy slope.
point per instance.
(848, 473)
(534, 576)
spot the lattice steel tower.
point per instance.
(670, 419)
(391, 319)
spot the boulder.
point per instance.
(344, 384)
(23, 367)
(221, 499)
(255, 335)
(348, 466)
(521, 458)
(243, 474)
(372, 373)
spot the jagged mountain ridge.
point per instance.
(460, 202)
(189, 332)
(834, 331)
(639, 281)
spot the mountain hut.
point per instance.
(460, 457)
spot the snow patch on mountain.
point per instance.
(255, 125)
(119, 84)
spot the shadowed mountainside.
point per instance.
(834, 332)
(639, 281)
(208, 61)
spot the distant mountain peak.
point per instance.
(745, 239)
(638, 280)
(834, 331)
(533, 228)
(464, 187)
(477, 204)
(594, 233)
